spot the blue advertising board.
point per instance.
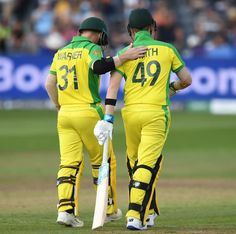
(23, 77)
(212, 79)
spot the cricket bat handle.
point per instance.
(105, 150)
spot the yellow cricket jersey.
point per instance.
(76, 81)
(147, 78)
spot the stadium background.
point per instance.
(197, 185)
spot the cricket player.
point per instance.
(146, 114)
(73, 86)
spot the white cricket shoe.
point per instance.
(67, 219)
(114, 216)
(135, 224)
(150, 221)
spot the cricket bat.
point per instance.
(102, 190)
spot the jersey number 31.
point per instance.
(65, 77)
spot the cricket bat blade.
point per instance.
(101, 197)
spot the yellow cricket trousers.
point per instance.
(146, 129)
(75, 129)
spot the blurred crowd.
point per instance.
(198, 28)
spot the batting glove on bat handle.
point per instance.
(103, 130)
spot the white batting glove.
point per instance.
(102, 130)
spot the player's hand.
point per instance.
(133, 53)
(102, 131)
(172, 90)
(58, 107)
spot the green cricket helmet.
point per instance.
(140, 18)
(97, 25)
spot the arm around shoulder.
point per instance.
(104, 65)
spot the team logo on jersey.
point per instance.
(97, 52)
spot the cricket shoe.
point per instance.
(135, 224)
(113, 216)
(67, 219)
(150, 221)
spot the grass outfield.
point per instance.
(197, 185)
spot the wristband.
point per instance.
(110, 101)
(109, 118)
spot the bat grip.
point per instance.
(105, 150)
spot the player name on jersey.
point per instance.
(151, 52)
(70, 55)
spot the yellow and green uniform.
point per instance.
(77, 84)
(146, 118)
(78, 96)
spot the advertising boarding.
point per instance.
(22, 78)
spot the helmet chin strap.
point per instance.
(103, 39)
(130, 32)
(154, 34)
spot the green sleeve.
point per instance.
(95, 53)
(177, 61)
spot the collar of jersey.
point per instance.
(80, 38)
(142, 35)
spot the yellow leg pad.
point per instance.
(136, 194)
(65, 192)
(77, 187)
(112, 192)
(66, 187)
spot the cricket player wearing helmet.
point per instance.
(73, 86)
(146, 114)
